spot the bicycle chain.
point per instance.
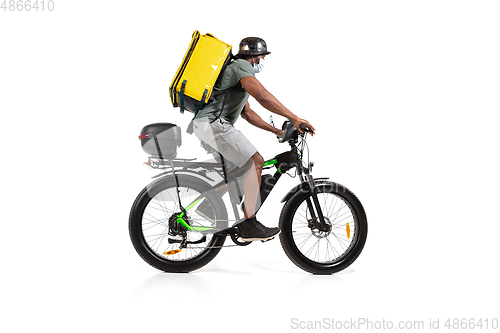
(211, 247)
(218, 247)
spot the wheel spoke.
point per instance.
(304, 241)
(155, 226)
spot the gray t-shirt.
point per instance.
(235, 101)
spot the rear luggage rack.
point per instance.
(156, 162)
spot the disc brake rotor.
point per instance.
(315, 226)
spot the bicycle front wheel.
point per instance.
(323, 251)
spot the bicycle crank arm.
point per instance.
(201, 240)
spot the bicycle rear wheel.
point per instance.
(152, 212)
(324, 252)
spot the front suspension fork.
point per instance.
(315, 201)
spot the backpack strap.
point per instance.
(181, 96)
(201, 103)
(226, 92)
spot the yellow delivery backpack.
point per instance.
(193, 84)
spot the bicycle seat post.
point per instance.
(232, 189)
(176, 185)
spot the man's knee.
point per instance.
(255, 162)
(258, 160)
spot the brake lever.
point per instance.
(271, 121)
(303, 127)
(281, 136)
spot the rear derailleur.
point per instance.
(177, 229)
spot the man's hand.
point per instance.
(299, 121)
(277, 131)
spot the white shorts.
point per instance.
(227, 140)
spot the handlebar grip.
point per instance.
(303, 127)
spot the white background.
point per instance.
(404, 96)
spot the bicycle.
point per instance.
(323, 224)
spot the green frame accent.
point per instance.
(191, 205)
(270, 162)
(202, 228)
(184, 223)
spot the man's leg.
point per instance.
(251, 229)
(251, 184)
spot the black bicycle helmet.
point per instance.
(252, 46)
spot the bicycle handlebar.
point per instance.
(288, 126)
(303, 127)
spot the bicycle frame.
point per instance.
(234, 191)
(179, 222)
(308, 183)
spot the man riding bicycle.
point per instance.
(216, 128)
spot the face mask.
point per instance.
(260, 66)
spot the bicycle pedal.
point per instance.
(267, 240)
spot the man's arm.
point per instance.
(267, 100)
(254, 119)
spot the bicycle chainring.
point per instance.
(235, 236)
